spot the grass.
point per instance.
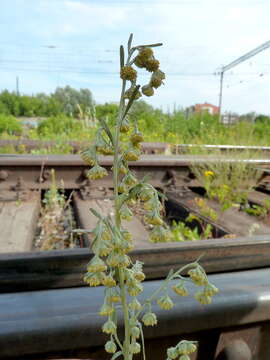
(157, 127)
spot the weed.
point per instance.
(111, 265)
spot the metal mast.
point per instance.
(242, 58)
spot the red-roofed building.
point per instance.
(212, 109)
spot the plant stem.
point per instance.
(118, 221)
(164, 285)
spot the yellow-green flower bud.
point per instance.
(160, 234)
(153, 219)
(135, 289)
(126, 235)
(97, 172)
(106, 235)
(129, 92)
(202, 298)
(125, 213)
(152, 65)
(210, 290)
(147, 90)
(93, 279)
(135, 348)
(146, 194)
(109, 281)
(139, 276)
(101, 248)
(131, 154)
(172, 353)
(136, 137)
(110, 347)
(155, 83)
(186, 347)
(139, 62)
(129, 179)
(135, 332)
(126, 247)
(96, 265)
(128, 73)
(125, 126)
(89, 156)
(106, 310)
(180, 289)
(160, 75)
(105, 150)
(135, 305)
(131, 202)
(114, 298)
(165, 302)
(146, 53)
(150, 205)
(109, 327)
(122, 188)
(118, 260)
(198, 276)
(149, 319)
(123, 169)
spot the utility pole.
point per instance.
(239, 60)
(220, 94)
(17, 85)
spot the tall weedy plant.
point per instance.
(111, 266)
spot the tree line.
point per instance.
(65, 100)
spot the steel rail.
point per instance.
(30, 271)
(145, 160)
(67, 319)
(147, 147)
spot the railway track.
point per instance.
(30, 280)
(24, 178)
(27, 145)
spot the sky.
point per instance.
(51, 43)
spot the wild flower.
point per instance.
(111, 265)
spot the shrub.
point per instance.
(10, 125)
(60, 124)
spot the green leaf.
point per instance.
(122, 56)
(116, 355)
(149, 45)
(130, 41)
(106, 129)
(131, 100)
(93, 211)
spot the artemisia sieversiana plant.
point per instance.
(111, 265)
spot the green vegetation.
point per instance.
(228, 181)
(70, 114)
(10, 125)
(63, 100)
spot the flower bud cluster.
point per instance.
(165, 302)
(144, 59)
(134, 276)
(149, 319)
(181, 351)
(102, 146)
(199, 278)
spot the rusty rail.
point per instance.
(33, 171)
